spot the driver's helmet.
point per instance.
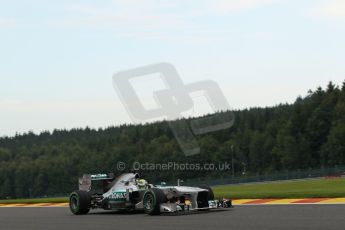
(142, 184)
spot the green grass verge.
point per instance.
(284, 189)
(318, 188)
(35, 201)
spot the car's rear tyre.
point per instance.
(210, 191)
(152, 200)
(80, 202)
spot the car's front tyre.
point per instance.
(210, 195)
(152, 200)
(80, 202)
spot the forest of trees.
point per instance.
(310, 133)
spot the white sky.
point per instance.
(58, 57)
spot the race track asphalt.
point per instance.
(270, 217)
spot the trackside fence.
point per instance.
(334, 172)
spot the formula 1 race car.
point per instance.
(129, 192)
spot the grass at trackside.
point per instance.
(318, 188)
(35, 201)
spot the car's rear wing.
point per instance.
(85, 181)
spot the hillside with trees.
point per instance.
(310, 133)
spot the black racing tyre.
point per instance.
(80, 202)
(210, 191)
(152, 200)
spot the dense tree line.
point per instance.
(309, 133)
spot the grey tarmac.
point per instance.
(256, 217)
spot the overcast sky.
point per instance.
(58, 57)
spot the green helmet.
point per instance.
(142, 184)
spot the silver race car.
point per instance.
(129, 192)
